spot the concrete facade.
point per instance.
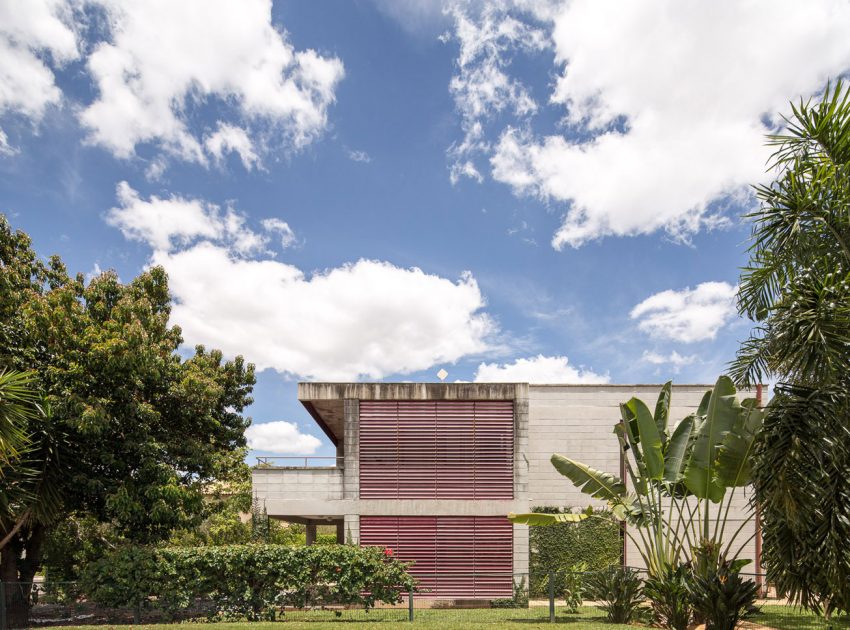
(573, 420)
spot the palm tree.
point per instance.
(17, 408)
(796, 288)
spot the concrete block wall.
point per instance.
(297, 484)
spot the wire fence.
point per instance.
(442, 600)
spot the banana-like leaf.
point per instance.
(650, 438)
(722, 412)
(538, 518)
(622, 431)
(677, 448)
(734, 457)
(600, 485)
(703, 405)
(662, 410)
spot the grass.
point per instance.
(588, 618)
(788, 618)
(425, 619)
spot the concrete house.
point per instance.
(432, 469)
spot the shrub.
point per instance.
(670, 598)
(620, 591)
(722, 599)
(519, 600)
(595, 541)
(247, 581)
(574, 586)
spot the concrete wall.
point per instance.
(281, 487)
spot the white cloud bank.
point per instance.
(280, 436)
(664, 105)
(367, 319)
(31, 33)
(166, 57)
(539, 369)
(159, 63)
(688, 315)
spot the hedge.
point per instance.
(595, 542)
(246, 581)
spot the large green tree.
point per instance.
(133, 427)
(796, 288)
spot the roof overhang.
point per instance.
(325, 401)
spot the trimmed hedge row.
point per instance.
(246, 581)
(594, 542)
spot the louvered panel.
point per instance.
(379, 463)
(436, 450)
(455, 450)
(417, 443)
(493, 445)
(455, 557)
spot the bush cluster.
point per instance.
(246, 581)
(593, 544)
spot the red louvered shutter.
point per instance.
(457, 557)
(436, 449)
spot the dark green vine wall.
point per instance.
(595, 541)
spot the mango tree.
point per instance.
(682, 480)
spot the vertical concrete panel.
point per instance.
(351, 437)
(520, 565)
(352, 528)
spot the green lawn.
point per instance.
(787, 618)
(771, 616)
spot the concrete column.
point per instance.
(352, 528)
(340, 532)
(521, 551)
(311, 532)
(351, 448)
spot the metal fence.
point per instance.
(529, 599)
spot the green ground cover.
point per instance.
(589, 618)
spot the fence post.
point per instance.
(551, 597)
(2, 605)
(410, 604)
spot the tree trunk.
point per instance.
(17, 571)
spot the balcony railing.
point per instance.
(299, 462)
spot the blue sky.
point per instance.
(375, 190)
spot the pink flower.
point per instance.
(388, 552)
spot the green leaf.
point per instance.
(677, 447)
(662, 409)
(721, 414)
(734, 460)
(650, 438)
(600, 485)
(541, 519)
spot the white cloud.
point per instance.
(284, 232)
(359, 156)
(280, 436)
(164, 59)
(664, 106)
(367, 319)
(482, 87)
(539, 369)
(674, 358)
(166, 224)
(6, 148)
(228, 138)
(33, 34)
(688, 315)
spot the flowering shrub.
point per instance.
(248, 581)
